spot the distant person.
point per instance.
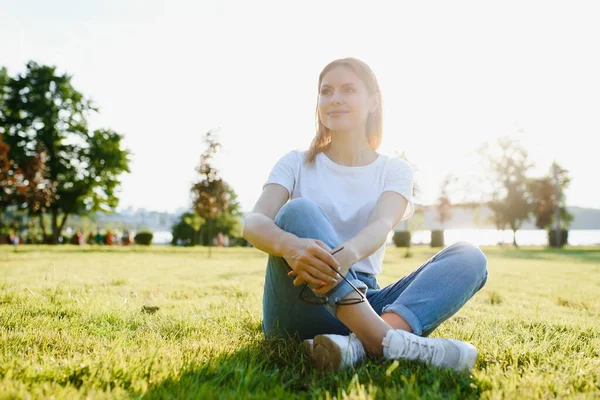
(109, 238)
(127, 238)
(345, 199)
(15, 240)
(220, 239)
(80, 238)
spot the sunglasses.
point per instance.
(316, 300)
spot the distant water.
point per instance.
(490, 237)
(480, 237)
(162, 237)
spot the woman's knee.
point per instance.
(296, 210)
(473, 260)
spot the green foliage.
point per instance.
(213, 199)
(543, 192)
(553, 240)
(72, 327)
(210, 196)
(42, 113)
(437, 238)
(7, 183)
(143, 238)
(544, 201)
(191, 229)
(187, 230)
(402, 238)
(510, 198)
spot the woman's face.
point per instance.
(344, 102)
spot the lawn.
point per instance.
(81, 322)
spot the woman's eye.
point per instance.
(350, 90)
(324, 91)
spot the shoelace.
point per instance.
(416, 347)
(354, 347)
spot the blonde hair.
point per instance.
(374, 121)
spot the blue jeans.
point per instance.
(424, 298)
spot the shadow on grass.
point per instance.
(278, 369)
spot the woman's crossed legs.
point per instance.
(418, 303)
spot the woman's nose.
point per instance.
(336, 98)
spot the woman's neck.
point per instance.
(350, 150)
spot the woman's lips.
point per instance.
(337, 113)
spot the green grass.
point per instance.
(72, 326)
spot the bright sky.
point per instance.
(452, 75)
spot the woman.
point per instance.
(326, 245)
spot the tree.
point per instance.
(544, 201)
(7, 179)
(43, 114)
(27, 186)
(228, 223)
(191, 229)
(34, 188)
(510, 201)
(212, 198)
(543, 194)
(444, 206)
(6, 164)
(188, 229)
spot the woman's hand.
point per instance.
(310, 261)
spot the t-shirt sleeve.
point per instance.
(399, 178)
(284, 172)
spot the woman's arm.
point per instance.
(265, 235)
(259, 227)
(308, 258)
(387, 213)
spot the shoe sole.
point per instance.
(470, 357)
(326, 355)
(307, 349)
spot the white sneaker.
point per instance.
(334, 352)
(446, 353)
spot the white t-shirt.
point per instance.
(347, 195)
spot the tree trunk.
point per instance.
(62, 224)
(43, 227)
(208, 225)
(56, 227)
(515, 238)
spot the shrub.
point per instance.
(143, 238)
(239, 242)
(437, 238)
(564, 236)
(401, 238)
